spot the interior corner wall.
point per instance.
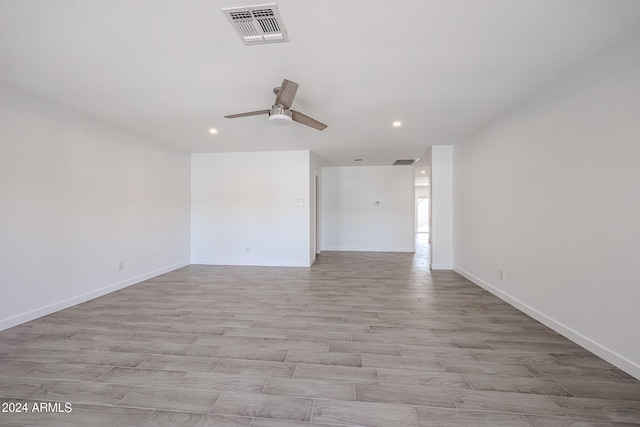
(251, 208)
(352, 221)
(550, 194)
(77, 197)
(441, 207)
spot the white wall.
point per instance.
(551, 194)
(441, 205)
(78, 196)
(350, 219)
(250, 200)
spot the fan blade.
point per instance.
(286, 93)
(252, 113)
(306, 120)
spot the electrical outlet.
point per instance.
(502, 274)
(120, 266)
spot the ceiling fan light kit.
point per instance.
(280, 116)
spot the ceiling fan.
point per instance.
(280, 114)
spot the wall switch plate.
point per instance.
(120, 266)
(300, 202)
(502, 274)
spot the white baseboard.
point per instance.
(610, 356)
(70, 302)
(369, 249)
(441, 267)
(250, 263)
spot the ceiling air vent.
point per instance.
(405, 162)
(257, 24)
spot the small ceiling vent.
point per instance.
(405, 162)
(257, 24)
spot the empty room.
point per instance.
(319, 213)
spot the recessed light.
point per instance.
(213, 131)
(397, 124)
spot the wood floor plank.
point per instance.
(404, 395)
(523, 403)
(303, 387)
(264, 406)
(188, 419)
(364, 413)
(600, 409)
(198, 401)
(438, 417)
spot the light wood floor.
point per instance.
(367, 339)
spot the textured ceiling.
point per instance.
(170, 70)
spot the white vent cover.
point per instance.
(257, 24)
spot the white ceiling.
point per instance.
(170, 70)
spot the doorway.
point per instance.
(316, 226)
(422, 215)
